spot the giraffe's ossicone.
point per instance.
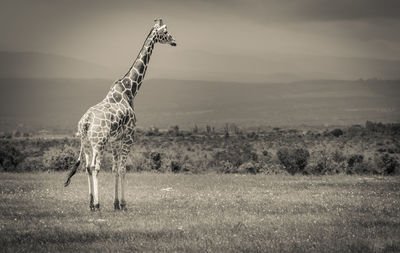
(113, 121)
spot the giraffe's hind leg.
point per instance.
(95, 168)
(115, 153)
(88, 158)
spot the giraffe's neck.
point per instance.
(138, 70)
(125, 89)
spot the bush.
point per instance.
(386, 164)
(139, 162)
(174, 131)
(152, 131)
(337, 132)
(325, 161)
(10, 157)
(34, 163)
(176, 166)
(236, 154)
(227, 167)
(354, 160)
(338, 156)
(59, 159)
(155, 160)
(293, 160)
(248, 167)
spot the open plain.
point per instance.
(201, 213)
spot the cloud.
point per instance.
(111, 32)
(311, 10)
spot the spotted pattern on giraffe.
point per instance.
(134, 76)
(127, 83)
(119, 87)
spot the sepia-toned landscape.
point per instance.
(259, 126)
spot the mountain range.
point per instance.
(203, 65)
(35, 97)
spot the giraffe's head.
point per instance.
(163, 36)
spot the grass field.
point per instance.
(199, 213)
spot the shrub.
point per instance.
(227, 167)
(245, 168)
(338, 156)
(374, 127)
(10, 157)
(272, 169)
(59, 159)
(155, 160)
(252, 135)
(294, 160)
(176, 166)
(139, 162)
(337, 132)
(325, 161)
(152, 131)
(354, 131)
(174, 131)
(248, 167)
(355, 159)
(30, 164)
(386, 164)
(236, 154)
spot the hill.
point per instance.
(59, 103)
(270, 67)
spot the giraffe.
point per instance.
(113, 121)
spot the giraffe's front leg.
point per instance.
(122, 169)
(123, 202)
(116, 200)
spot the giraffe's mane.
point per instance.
(151, 30)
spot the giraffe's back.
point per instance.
(106, 120)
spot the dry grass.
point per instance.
(208, 212)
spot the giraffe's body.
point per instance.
(113, 120)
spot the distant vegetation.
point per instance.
(370, 149)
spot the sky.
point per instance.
(255, 40)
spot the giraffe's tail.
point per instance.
(74, 168)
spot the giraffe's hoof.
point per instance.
(95, 208)
(116, 205)
(123, 205)
(91, 205)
